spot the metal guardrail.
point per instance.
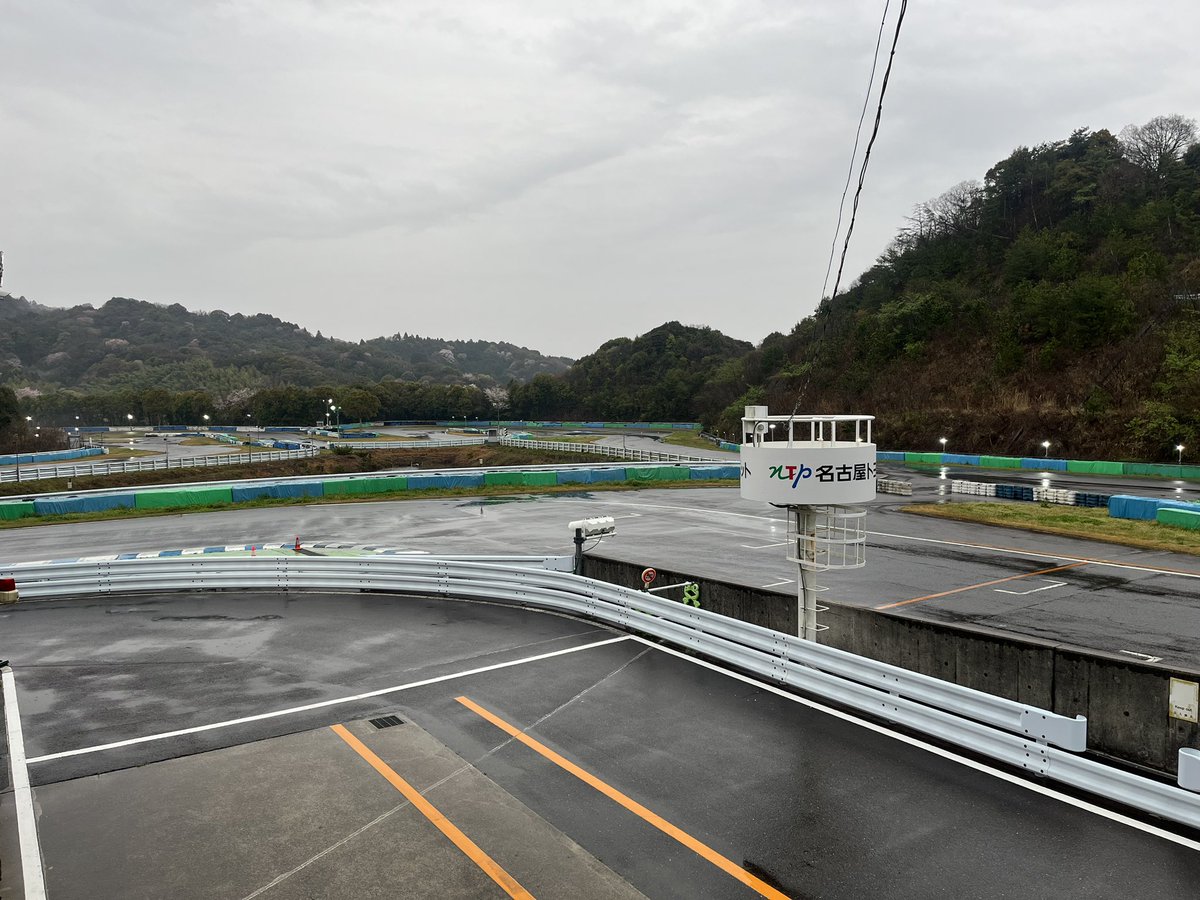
(1016, 734)
(628, 453)
(81, 470)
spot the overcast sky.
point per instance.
(546, 172)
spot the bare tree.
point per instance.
(1157, 145)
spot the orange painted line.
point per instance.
(489, 866)
(982, 584)
(696, 846)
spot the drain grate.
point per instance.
(387, 721)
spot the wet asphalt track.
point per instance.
(806, 802)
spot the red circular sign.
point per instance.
(648, 575)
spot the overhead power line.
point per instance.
(862, 117)
(862, 172)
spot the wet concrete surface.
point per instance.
(811, 804)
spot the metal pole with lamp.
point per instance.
(1045, 449)
(20, 432)
(1179, 448)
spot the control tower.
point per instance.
(818, 468)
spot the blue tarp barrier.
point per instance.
(1126, 506)
(951, 459)
(419, 482)
(296, 489)
(242, 493)
(575, 476)
(1045, 465)
(50, 456)
(222, 428)
(702, 472)
(94, 503)
(607, 474)
(288, 428)
(892, 455)
(286, 445)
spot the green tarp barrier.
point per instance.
(1181, 518)
(935, 458)
(539, 478)
(18, 509)
(383, 485)
(513, 478)
(1152, 469)
(1192, 472)
(1095, 467)
(1000, 462)
(193, 496)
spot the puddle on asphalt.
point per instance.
(521, 498)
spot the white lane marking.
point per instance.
(945, 754)
(337, 701)
(1087, 559)
(27, 836)
(765, 546)
(1044, 587)
(778, 583)
(1142, 656)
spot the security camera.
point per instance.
(593, 527)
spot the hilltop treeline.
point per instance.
(1055, 300)
(133, 346)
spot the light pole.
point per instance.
(1179, 448)
(204, 416)
(28, 419)
(1045, 449)
(329, 412)
(942, 441)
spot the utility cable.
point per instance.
(854, 153)
(862, 172)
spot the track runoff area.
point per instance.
(357, 745)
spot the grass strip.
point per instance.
(1069, 521)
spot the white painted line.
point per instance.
(337, 701)
(27, 836)
(765, 546)
(1142, 656)
(1044, 587)
(778, 583)
(938, 751)
(1016, 552)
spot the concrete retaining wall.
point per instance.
(1124, 700)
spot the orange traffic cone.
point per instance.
(297, 547)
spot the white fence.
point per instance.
(613, 450)
(370, 444)
(1021, 736)
(148, 464)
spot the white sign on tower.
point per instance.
(820, 468)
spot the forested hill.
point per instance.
(1057, 300)
(131, 345)
(659, 375)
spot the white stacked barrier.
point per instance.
(1054, 495)
(893, 486)
(976, 488)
